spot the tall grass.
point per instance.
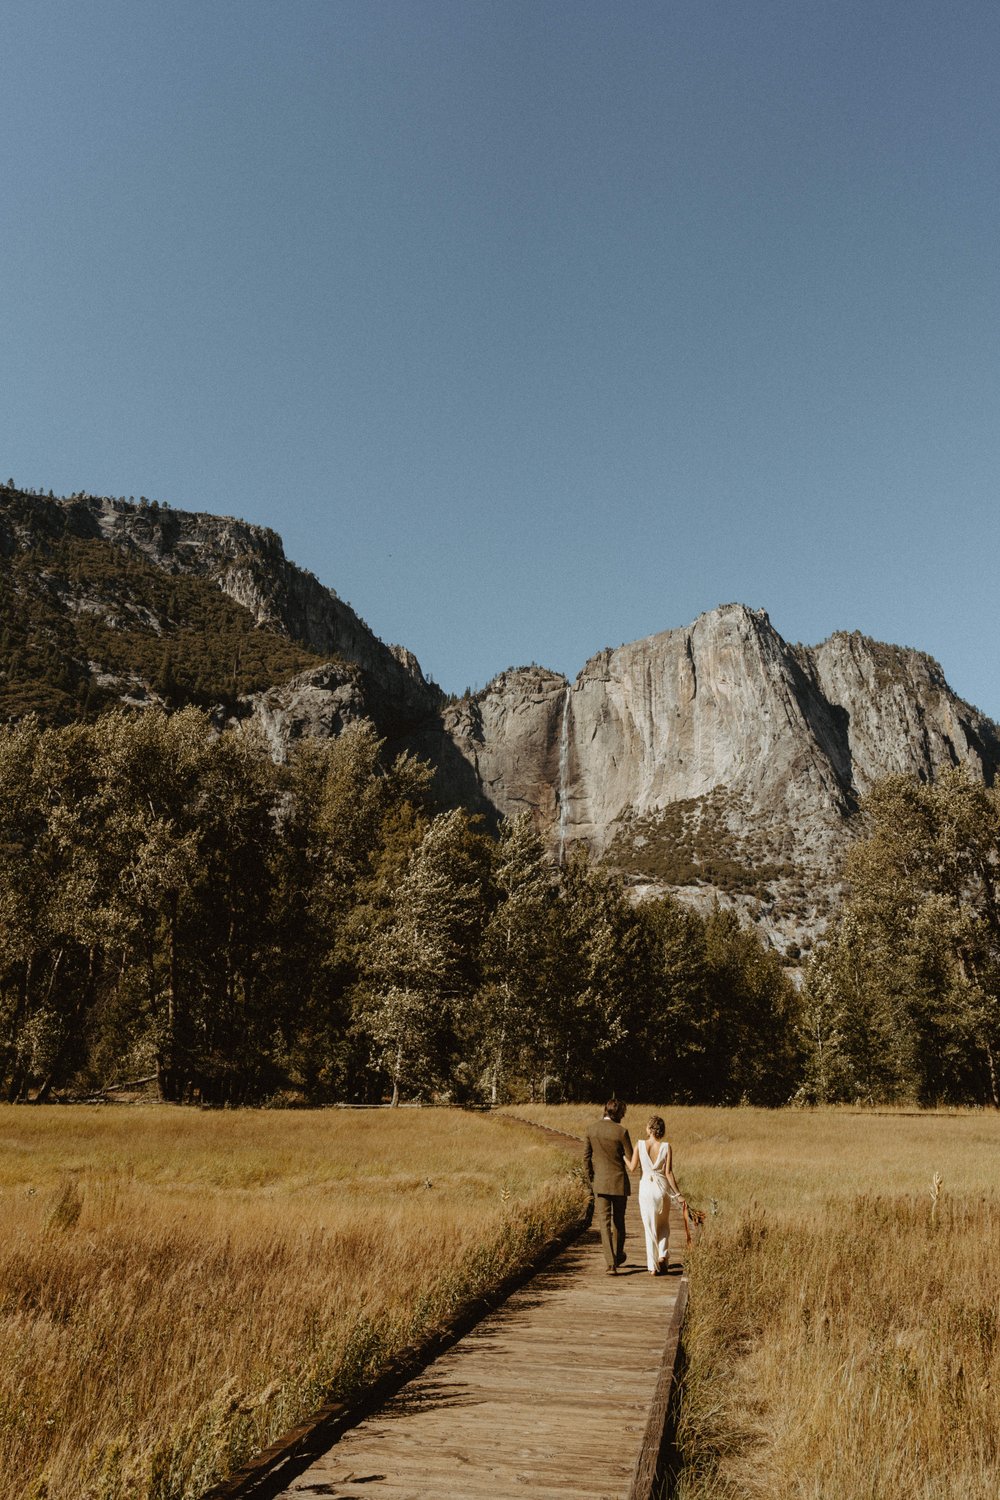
(843, 1334)
(177, 1288)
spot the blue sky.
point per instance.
(532, 327)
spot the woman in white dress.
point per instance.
(656, 1190)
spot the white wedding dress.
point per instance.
(654, 1203)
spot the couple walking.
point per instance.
(609, 1157)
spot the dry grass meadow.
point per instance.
(843, 1336)
(178, 1287)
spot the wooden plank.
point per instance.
(561, 1393)
(261, 1477)
(649, 1466)
(466, 1482)
(500, 1459)
(554, 1396)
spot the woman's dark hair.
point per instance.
(656, 1127)
(615, 1110)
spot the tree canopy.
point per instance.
(175, 905)
(903, 1000)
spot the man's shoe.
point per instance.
(621, 1259)
(611, 1271)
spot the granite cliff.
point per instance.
(716, 760)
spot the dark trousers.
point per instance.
(609, 1210)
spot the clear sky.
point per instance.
(533, 326)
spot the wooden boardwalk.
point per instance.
(548, 1397)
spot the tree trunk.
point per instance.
(55, 974)
(172, 992)
(993, 1076)
(394, 1101)
(166, 1066)
(497, 1068)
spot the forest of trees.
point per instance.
(902, 1001)
(173, 905)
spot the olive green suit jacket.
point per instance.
(607, 1146)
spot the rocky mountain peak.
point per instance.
(716, 758)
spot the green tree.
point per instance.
(512, 952)
(751, 1038)
(148, 874)
(915, 963)
(420, 962)
(827, 1073)
(678, 1033)
(55, 889)
(348, 827)
(595, 982)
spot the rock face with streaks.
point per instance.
(318, 704)
(508, 738)
(725, 703)
(718, 757)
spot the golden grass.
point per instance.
(843, 1335)
(177, 1288)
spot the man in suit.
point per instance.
(607, 1149)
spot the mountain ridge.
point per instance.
(713, 759)
(244, 562)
